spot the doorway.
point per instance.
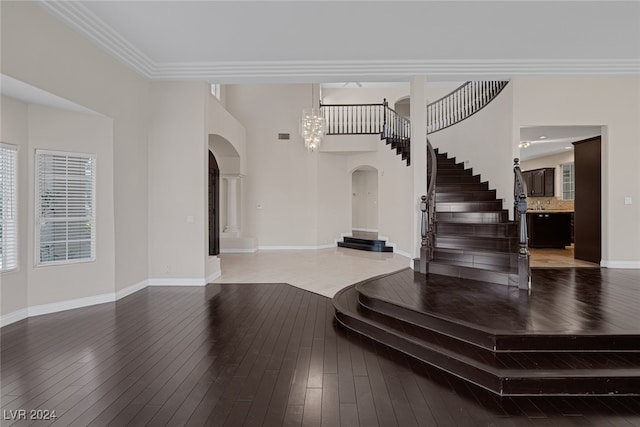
(574, 188)
(214, 206)
(364, 213)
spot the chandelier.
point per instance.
(313, 127)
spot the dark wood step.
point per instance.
(470, 241)
(473, 217)
(454, 179)
(506, 348)
(470, 206)
(473, 271)
(451, 166)
(501, 380)
(477, 258)
(462, 196)
(454, 172)
(461, 186)
(371, 245)
(506, 229)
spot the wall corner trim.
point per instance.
(13, 317)
(620, 264)
(131, 289)
(70, 304)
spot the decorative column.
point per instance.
(232, 204)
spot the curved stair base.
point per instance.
(505, 362)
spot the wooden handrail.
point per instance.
(428, 208)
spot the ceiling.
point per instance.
(355, 41)
(548, 140)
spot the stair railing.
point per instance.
(428, 208)
(520, 215)
(462, 103)
(354, 119)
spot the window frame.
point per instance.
(11, 244)
(571, 182)
(38, 219)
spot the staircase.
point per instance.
(474, 238)
(507, 361)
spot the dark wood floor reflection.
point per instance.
(247, 355)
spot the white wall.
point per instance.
(178, 168)
(41, 51)
(280, 187)
(484, 140)
(305, 198)
(34, 290)
(14, 129)
(54, 129)
(613, 103)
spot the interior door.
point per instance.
(588, 200)
(214, 206)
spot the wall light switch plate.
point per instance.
(628, 201)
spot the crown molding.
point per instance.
(80, 18)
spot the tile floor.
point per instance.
(323, 271)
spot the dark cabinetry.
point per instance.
(540, 182)
(549, 229)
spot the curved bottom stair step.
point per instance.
(509, 381)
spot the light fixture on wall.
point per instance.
(524, 144)
(313, 127)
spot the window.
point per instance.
(568, 182)
(215, 90)
(8, 214)
(65, 207)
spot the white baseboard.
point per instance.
(403, 253)
(177, 282)
(55, 307)
(210, 278)
(13, 317)
(238, 251)
(296, 248)
(620, 264)
(70, 304)
(131, 289)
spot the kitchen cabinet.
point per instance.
(540, 182)
(549, 229)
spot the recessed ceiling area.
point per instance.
(549, 140)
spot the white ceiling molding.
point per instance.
(80, 18)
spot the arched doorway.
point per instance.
(364, 189)
(214, 205)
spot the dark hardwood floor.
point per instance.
(257, 354)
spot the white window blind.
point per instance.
(8, 210)
(65, 207)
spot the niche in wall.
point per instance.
(364, 186)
